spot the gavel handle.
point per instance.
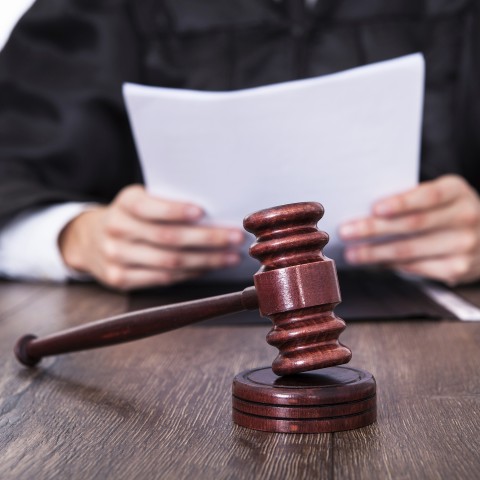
(29, 349)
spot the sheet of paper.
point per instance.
(344, 140)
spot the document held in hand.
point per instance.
(344, 140)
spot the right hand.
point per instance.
(140, 240)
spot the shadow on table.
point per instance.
(366, 295)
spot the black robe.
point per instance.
(64, 133)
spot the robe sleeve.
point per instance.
(64, 131)
(469, 104)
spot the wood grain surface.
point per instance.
(161, 407)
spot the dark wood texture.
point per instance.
(297, 288)
(161, 407)
(29, 349)
(331, 399)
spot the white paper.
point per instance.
(344, 140)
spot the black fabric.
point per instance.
(367, 295)
(64, 134)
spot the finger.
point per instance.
(438, 243)
(146, 256)
(427, 195)
(124, 279)
(197, 237)
(463, 213)
(121, 225)
(139, 203)
(452, 269)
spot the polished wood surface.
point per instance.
(161, 407)
(296, 287)
(331, 399)
(135, 325)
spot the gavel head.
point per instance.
(297, 288)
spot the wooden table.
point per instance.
(160, 407)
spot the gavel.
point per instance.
(297, 288)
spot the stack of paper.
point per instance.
(344, 140)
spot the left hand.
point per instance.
(440, 222)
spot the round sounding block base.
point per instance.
(326, 400)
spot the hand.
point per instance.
(440, 224)
(140, 240)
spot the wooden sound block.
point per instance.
(326, 400)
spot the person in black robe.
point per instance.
(65, 136)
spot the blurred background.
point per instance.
(10, 12)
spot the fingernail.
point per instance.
(384, 208)
(232, 259)
(352, 255)
(236, 237)
(348, 230)
(194, 212)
